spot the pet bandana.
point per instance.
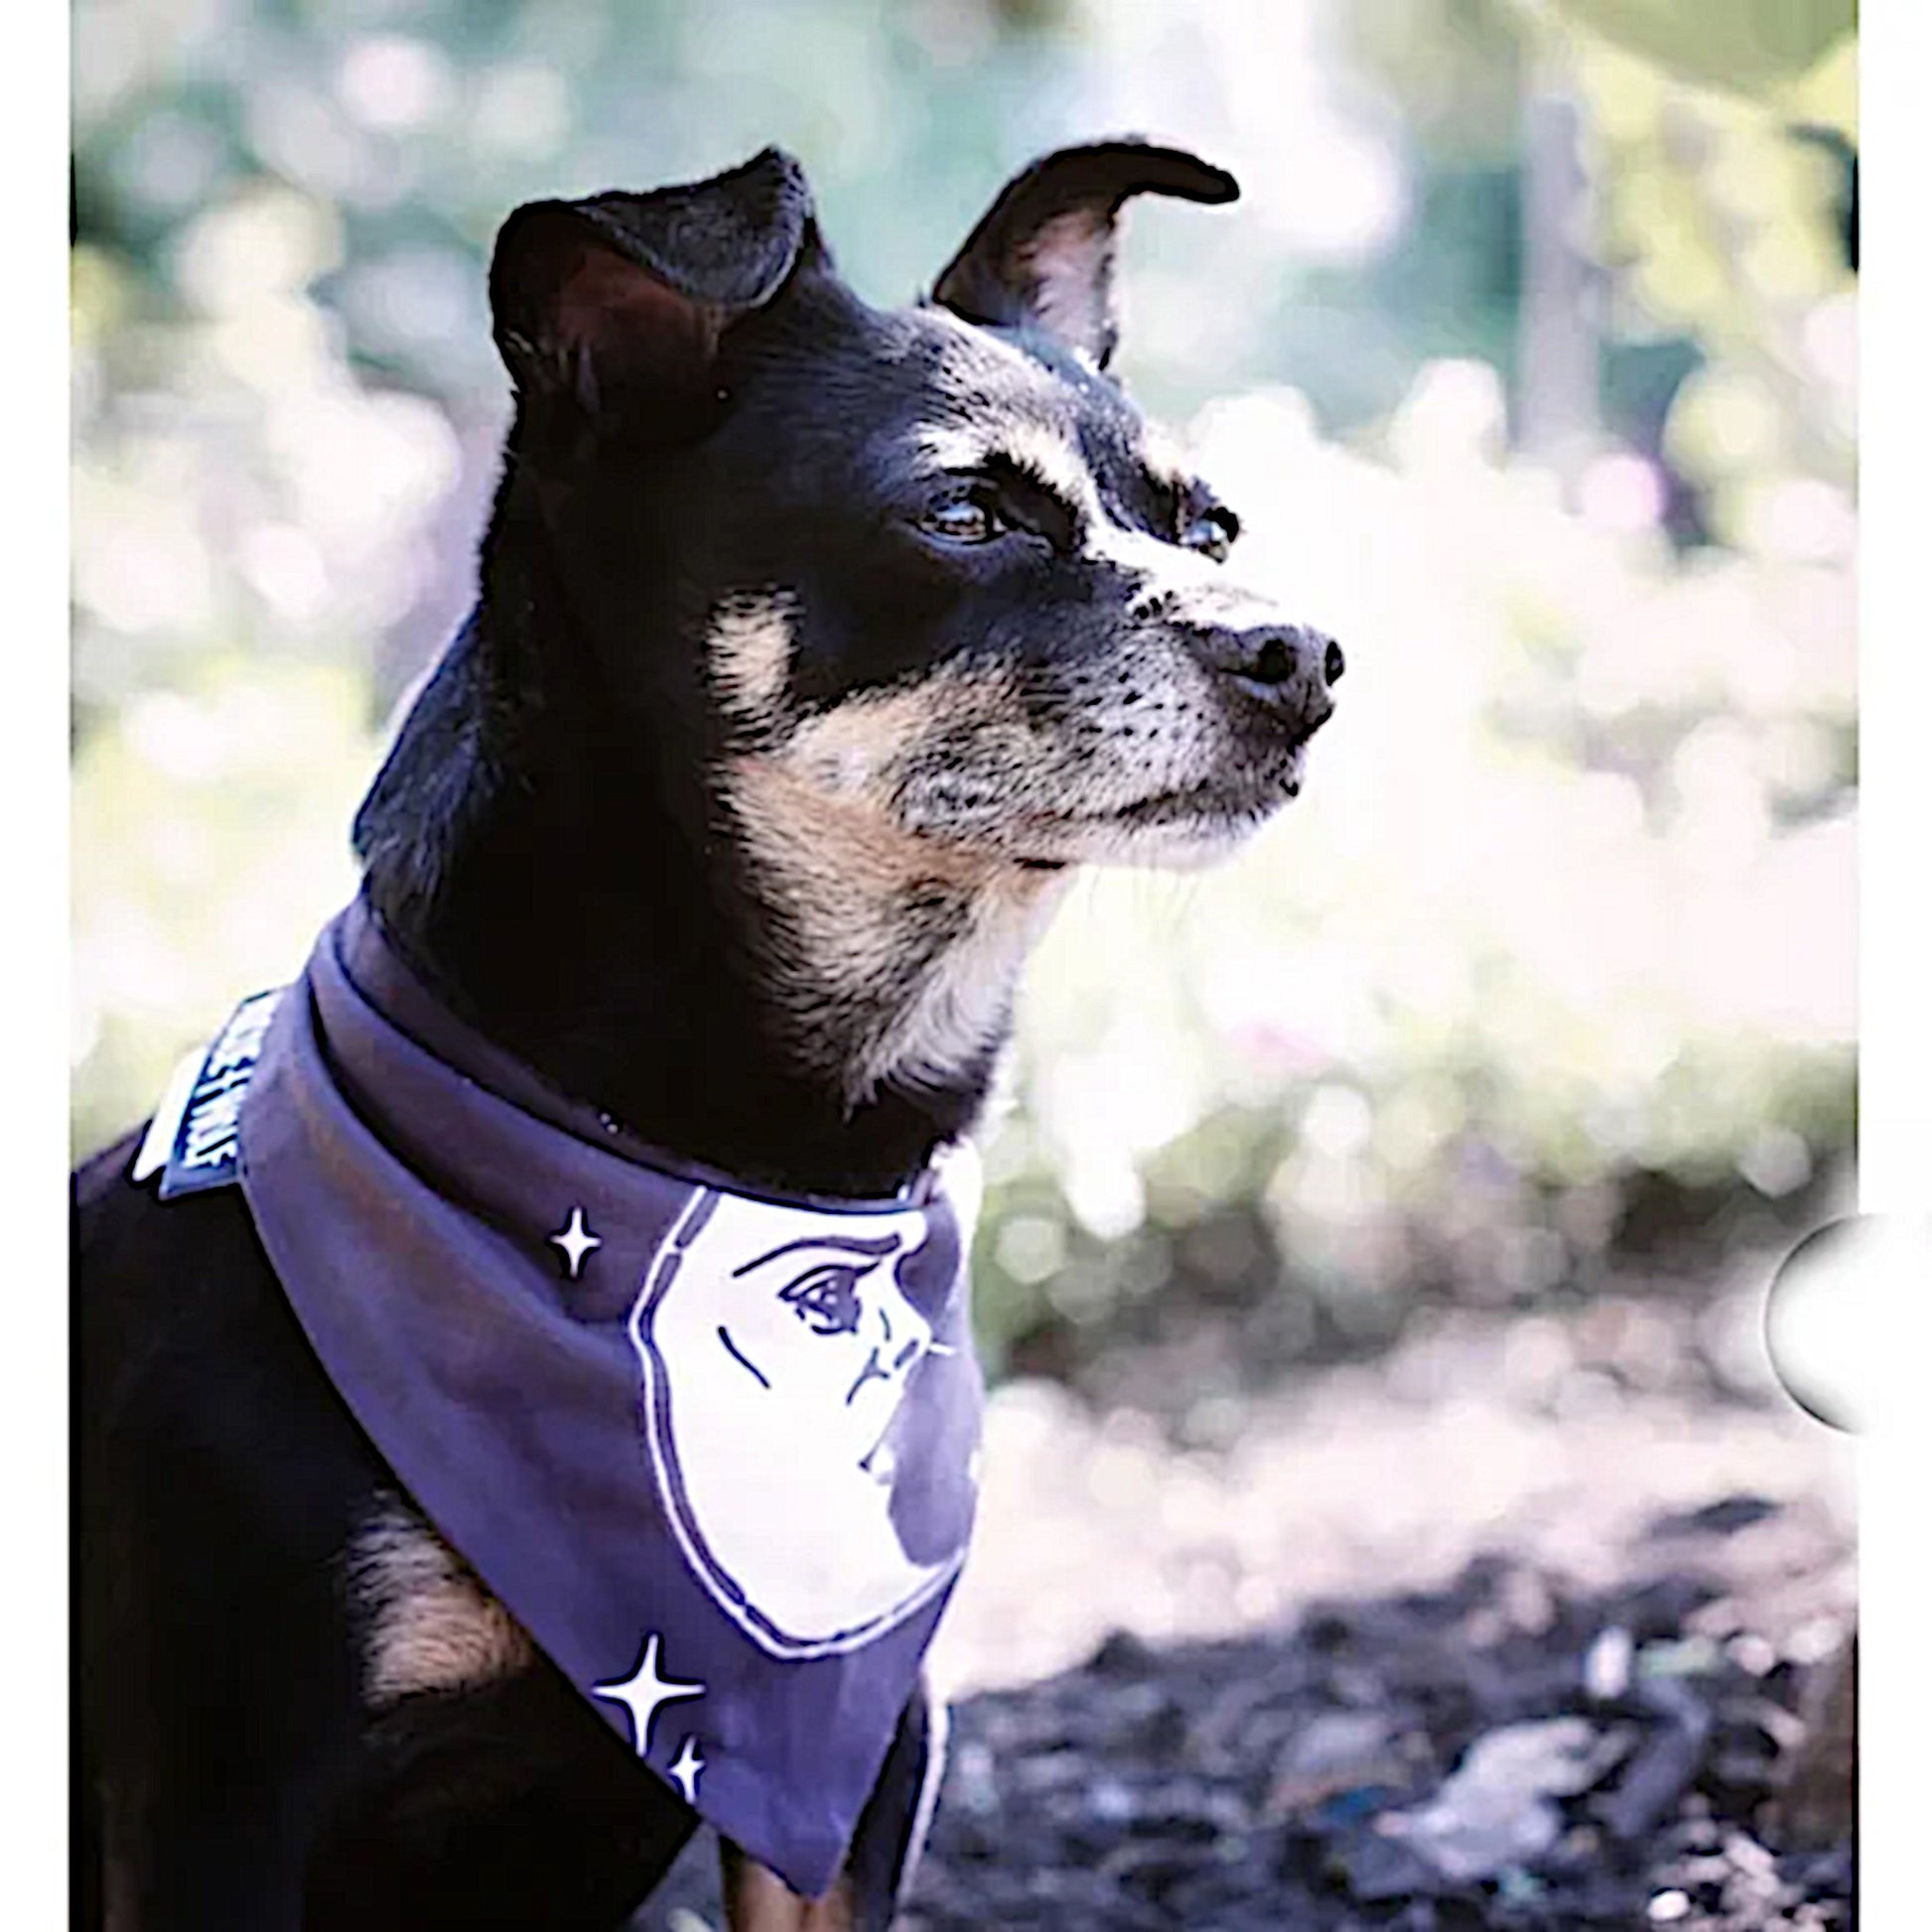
(715, 1450)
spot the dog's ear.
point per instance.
(613, 307)
(1043, 254)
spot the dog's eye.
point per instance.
(972, 518)
(1211, 532)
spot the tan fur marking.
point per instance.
(849, 748)
(758, 1900)
(1025, 442)
(433, 1625)
(750, 653)
(1177, 584)
(1166, 456)
(950, 445)
(1049, 456)
(846, 877)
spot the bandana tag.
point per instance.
(194, 1142)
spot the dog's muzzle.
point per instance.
(1288, 669)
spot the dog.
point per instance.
(815, 649)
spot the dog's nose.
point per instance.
(1286, 666)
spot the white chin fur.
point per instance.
(1182, 847)
(1179, 848)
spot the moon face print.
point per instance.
(813, 1411)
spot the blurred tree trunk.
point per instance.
(1556, 418)
(1818, 1805)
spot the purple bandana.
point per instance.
(714, 1449)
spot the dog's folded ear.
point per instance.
(1042, 255)
(613, 307)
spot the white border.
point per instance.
(1895, 659)
(1895, 933)
(33, 767)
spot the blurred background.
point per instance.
(1427, 1164)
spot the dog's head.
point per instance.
(819, 640)
(936, 578)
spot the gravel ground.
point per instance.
(1526, 1625)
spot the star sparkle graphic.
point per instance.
(576, 1240)
(643, 1691)
(685, 1770)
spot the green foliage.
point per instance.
(210, 820)
(1719, 223)
(1748, 46)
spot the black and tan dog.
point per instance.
(814, 646)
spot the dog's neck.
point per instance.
(703, 951)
